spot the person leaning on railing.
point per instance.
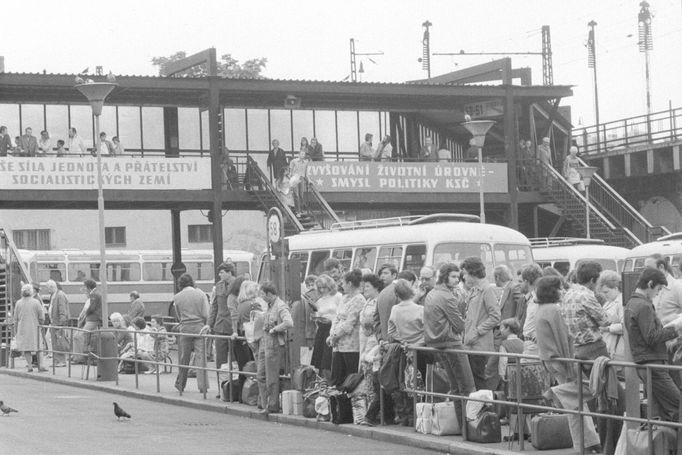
(647, 337)
(554, 341)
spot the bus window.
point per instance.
(675, 264)
(513, 256)
(317, 259)
(365, 258)
(627, 267)
(53, 271)
(264, 269)
(639, 265)
(302, 257)
(344, 256)
(456, 252)
(390, 255)
(415, 255)
(563, 267)
(80, 272)
(157, 271)
(200, 271)
(123, 271)
(242, 267)
(542, 265)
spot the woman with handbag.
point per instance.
(28, 315)
(325, 312)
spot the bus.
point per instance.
(145, 271)
(669, 246)
(408, 243)
(567, 253)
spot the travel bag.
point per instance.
(664, 440)
(292, 402)
(250, 392)
(423, 422)
(550, 431)
(225, 391)
(340, 408)
(485, 428)
(444, 419)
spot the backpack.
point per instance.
(304, 378)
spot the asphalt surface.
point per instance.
(58, 419)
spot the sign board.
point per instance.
(494, 108)
(439, 177)
(118, 173)
(177, 269)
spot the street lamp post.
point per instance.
(96, 93)
(478, 129)
(586, 172)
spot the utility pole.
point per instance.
(592, 63)
(547, 71)
(353, 66)
(645, 45)
(426, 49)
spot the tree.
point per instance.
(227, 66)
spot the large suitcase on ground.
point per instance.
(340, 408)
(550, 431)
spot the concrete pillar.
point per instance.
(650, 161)
(606, 170)
(626, 160)
(676, 157)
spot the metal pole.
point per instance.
(587, 211)
(100, 212)
(481, 201)
(592, 43)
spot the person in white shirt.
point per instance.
(106, 148)
(44, 143)
(75, 143)
(366, 149)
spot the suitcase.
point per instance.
(292, 402)
(485, 428)
(225, 391)
(250, 392)
(444, 419)
(423, 422)
(340, 408)
(550, 431)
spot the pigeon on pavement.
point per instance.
(6, 409)
(119, 412)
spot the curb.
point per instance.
(381, 434)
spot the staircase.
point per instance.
(315, 212)
(619, 211)
(12, 274)
(572, 204)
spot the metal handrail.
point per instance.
(615, 205)
(317, 206)
(253, 170)
(13, 250)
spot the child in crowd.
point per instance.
(160, 337)
(511, 343)
(60, 148)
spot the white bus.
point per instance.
(567, 253)
(410, 243)
(145, 271)
(669, 246)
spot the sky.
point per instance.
(309, 39)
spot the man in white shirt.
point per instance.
(106, 148)
(75, 143)
(366, 149)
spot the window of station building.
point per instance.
(32, 239)
(513, 256)
(9, 113)
(115, 236)
(258, 129)
(344, 257)
(32, 116)
(157, 271)
(303, 127)
(302, 257)
(199, 233)
(81, 119)
(235, 129)
(390, 255)
(415, 255)
(369, 123)
(57, 119)
(123, 271)
(280, 128)
(457, 252)
(325, 132)
(129, 127)
(317, 259)
(189, 134)
(200, 271)
(152, 128)
(108, 123)
(365, 258)
(348, 133)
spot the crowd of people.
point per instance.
(28, 145)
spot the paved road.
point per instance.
(58, 419)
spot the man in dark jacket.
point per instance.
(443, 327)
(647, 338)
(277, 160)
(220, 320)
